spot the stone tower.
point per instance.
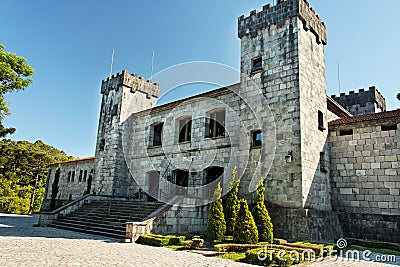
(123, 95)
(282, 52)
(362, 102)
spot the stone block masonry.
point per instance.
(365, 177)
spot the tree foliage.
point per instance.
(23, 174)
(232, 204)
(15, 74)
(245, 228)
(216, 225)
(398, 96)
(261, 215)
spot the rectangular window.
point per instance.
(114, 110)
(256, 64)
(321, 126)
(185, 130)
(389, 127)
(84, 176)
(73, 176)
(346, 132)
(102, 144)
(69, 176)
(322, 162)
(80, 175)
(215, 124)
(256, 139)
(157, 134)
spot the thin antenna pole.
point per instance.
(152, 67)
(338, 73)
(112, 62)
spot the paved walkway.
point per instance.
(24, 245)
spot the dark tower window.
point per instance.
(185, 130)
(84, 176)
(256, 64)
(69, 176)
(73, 176)
(157, 134)
(321, 126)
(102, 144)
(215, 124)
(256, 138)
(322, 162)
(80, 175)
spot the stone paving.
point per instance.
(21, 244)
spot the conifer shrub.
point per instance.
(232, 204)
(261, 215)
(216, 225)
(245, 228)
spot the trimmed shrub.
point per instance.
(265, 257)
(216, 225)
(261, 216)
(245, 227)
(195, 243)
(239, 248)
(373, 244)
(232, 203)
(160, 240)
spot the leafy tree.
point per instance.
(232, 203)
(15, 75)
(23, 174)
(54, 189)
(261, 216)
(245, 227)
(216, 225)
(398, 96)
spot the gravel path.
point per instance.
(21, 244)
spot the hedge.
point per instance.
(268, 257)
(239, 248)
(160, 240)
(373, 244)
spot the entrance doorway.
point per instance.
(212, 175)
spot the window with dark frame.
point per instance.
(80, 175)
(215, 124)
(73, 176)
(321, 126)
(322, 162)
(256, 138)
(84, 176)
(185, 130)
(69, 177)
(256, 64)
(386, 128)
(157, 134)
(114, 110)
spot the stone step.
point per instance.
(89, 231)
(91, 225)
(83, 219)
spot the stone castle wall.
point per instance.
(362, 102)
(365, 175)
(73, 182)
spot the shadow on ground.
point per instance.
(12, 225)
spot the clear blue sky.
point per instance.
(69, 45)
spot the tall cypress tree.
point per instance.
(232, 203)
(216, 225)
(261, 215)
(245, 227)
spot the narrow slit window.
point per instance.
(84, 176)
(69, 176)
(386, 128)
(73, 176)
(256, 64)
(322, 162)
(80, 175)
(346, 132)
(321, 126)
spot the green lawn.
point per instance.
(232, 256)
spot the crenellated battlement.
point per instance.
(124, 78)
(277, 15)
(362, 102)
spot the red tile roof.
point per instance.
(367, 117)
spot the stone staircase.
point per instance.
(106, 218)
